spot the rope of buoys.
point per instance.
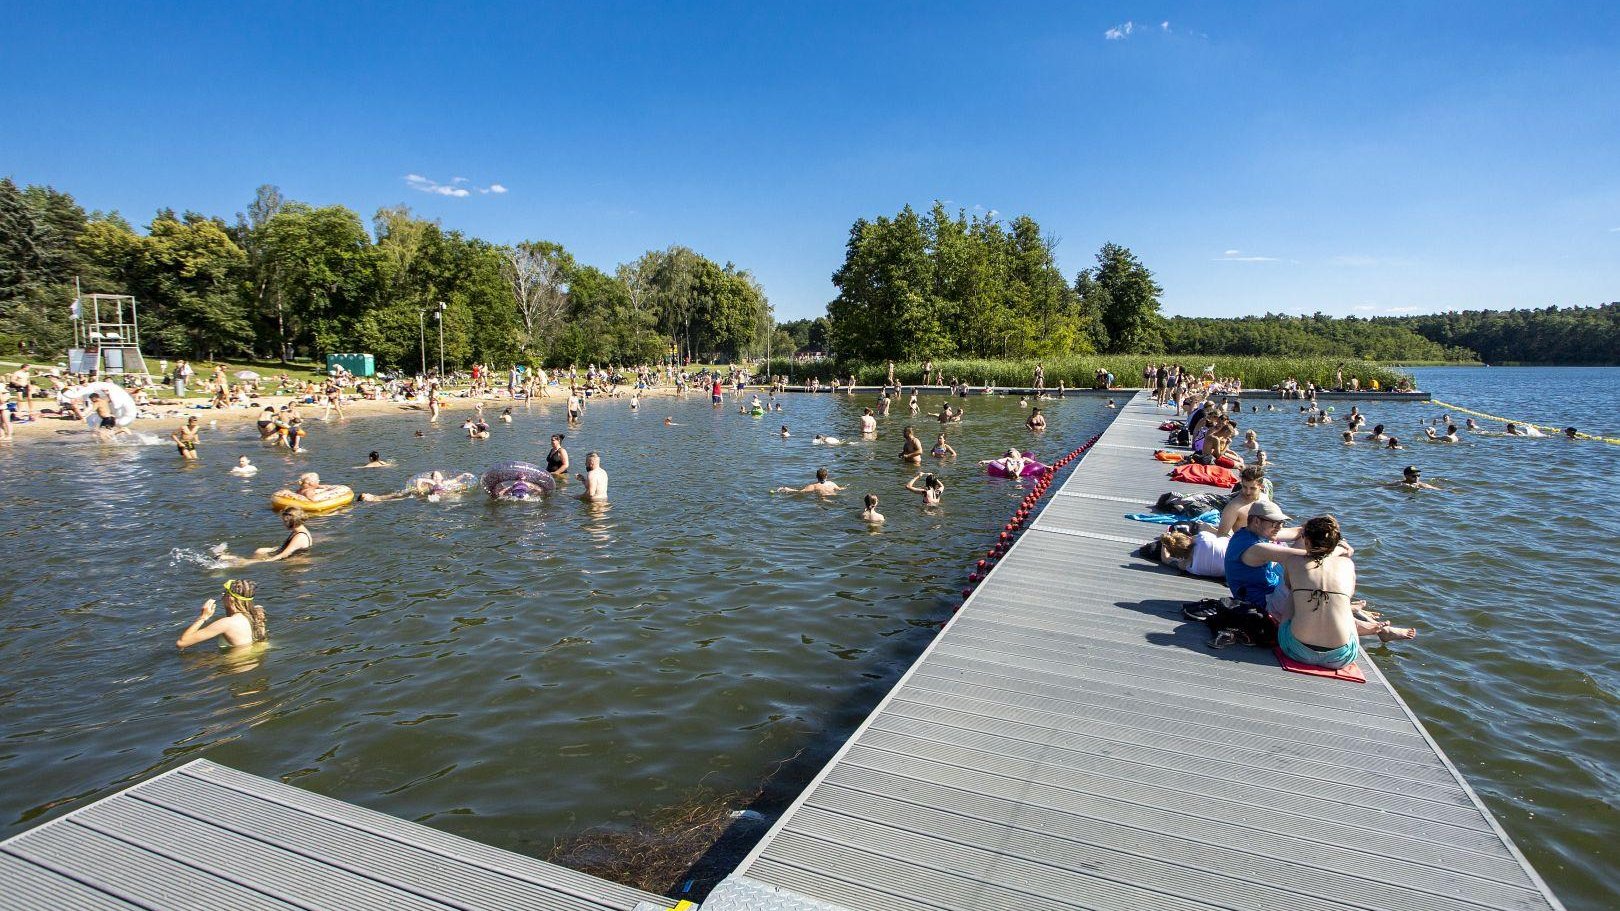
(1550, 431)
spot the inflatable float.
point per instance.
(1032, 469)
(326, 499)
(517, 481)
(123, 407)
(427, 485)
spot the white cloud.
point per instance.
(453, 189)
(1120, 32)
(1237, 256)
(1364, 308)
(1614, 230)
(1164, 26)
(1354, 260)
(1399, 309)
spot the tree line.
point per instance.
(1550, 335)
(286, 279)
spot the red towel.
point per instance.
(1349, 672)
(1213, 475)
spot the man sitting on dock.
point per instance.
(1253, 572)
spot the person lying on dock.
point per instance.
(242, 625)
(1321, 625)
(821, 487)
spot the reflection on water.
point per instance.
(513, 672)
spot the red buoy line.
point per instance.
(1026, 509)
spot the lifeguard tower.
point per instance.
(107, 336)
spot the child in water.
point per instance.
(870, 515)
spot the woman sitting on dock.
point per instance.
(1324, 627)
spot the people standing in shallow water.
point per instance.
(594, 478)
(243, 623)
(869, 513)
(911, 450)
(557, 458)
(245, 468)
(1037, 421)
(943, 449)
(927, 485)
(186, 439)
(868, 422)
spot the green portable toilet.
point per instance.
(356, 364)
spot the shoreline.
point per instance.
(171, 413)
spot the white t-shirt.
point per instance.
(1208, 555)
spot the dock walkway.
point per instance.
(1069, 742)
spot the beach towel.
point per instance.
(1212, 517)
(1349, 672)
(1213, 475)
(1163, 456)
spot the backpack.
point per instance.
(1251, 623)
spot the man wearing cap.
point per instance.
(1411, 479)
(1252, 570)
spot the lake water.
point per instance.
(510, 672)
(515, 673)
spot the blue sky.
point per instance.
(1363, 158)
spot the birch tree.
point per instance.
(537, 272)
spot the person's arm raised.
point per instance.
(196, 632)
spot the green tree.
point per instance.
(1126, 299)
(886, 306)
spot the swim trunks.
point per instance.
(109, 423)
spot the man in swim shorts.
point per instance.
(821, 487)
(186, 439)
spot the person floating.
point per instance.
(822, 486)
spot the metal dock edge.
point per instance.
(1069, 742)
(207, 837)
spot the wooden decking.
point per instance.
(210, 838)
(1068, 742)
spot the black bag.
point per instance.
(1179, 438)
(1250, 622)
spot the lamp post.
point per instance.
(438, 316)
(421, 331)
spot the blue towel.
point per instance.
(1212, 517)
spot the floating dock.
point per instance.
(1066, 742)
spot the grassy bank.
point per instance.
(1078, 371)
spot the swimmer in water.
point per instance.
(868, 422)
(942, 449)
(1261, 459)
(870, 515)
(506, 415)
(1571, 433)
(1472, 427)
(1023, 402)
(635, 401)
(911, 449)
(186, 439)
(594, 478)
(821, 487)
(375, 460)
(476, 429)
(784, 432)
(670, 421)
(1349, 438)
(932, 489)
(296, 434)
(1377, 435)
(1450, 436)
(1411, 479)
(1394, 444)
(430, 487)
(913, 405)
(299, 540)
(1111, 404)
(1250, 441)
(827, 441)
(1512, 430)
(245, 468)
(1037, 421)
(243, 623)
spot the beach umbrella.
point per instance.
(246, 375)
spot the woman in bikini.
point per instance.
(1326, 624)
(942, 449)
(929, 487)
